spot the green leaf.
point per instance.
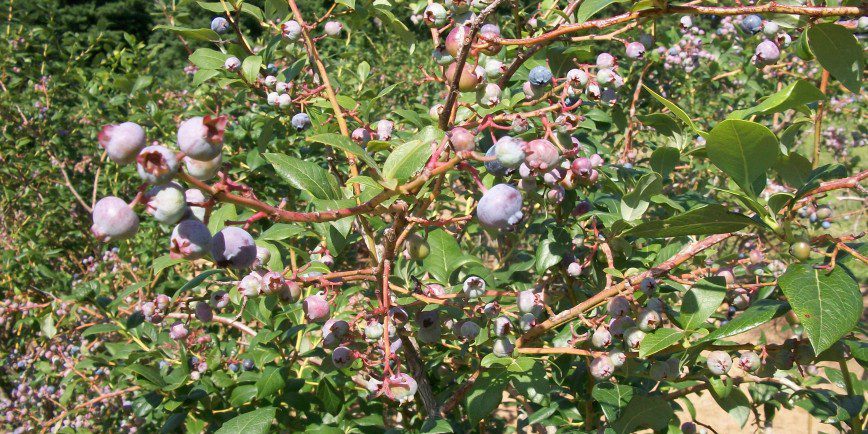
(206, 35)
(707, 220)
(731, 399)
(664, 159)
(485, 396)
(220, 216)
(658, 341)
(588, 8)
(406, 160)
(250, 68)
(635, 203)
(701, 301)
(652, 412)
(444, 250)
(662, 123)
(795, 95)
(331, 397)
(270, 382)
(254, 422)
(280, 232)
(759, 312)
(794, 169)
(204, 75)
(46, 325)
(149, 373)
(549, 253)
(839, 52)
(677, 111)
(99, 329)
(612, 398)
(439, 426)
(828, 304)
(743, 150)
(161, 263)
(206, 58)
(346, 145)
(194, 282)
(305, 175)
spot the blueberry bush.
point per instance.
(251, 216)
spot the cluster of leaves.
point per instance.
(726, 156)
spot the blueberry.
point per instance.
(719, 362)
(435, 15)
(247, 364)
(752, 24)
(602, 368)
(167, 203)
(113, 220)
(201, 138)
(301, 121)
(510, 151)
(219, 25)
(233, 247)
(122, 142)
(826, 224)
(156, 164)
(494, 167)
(500, 207)
(767, 52)
(540, 76)
(635, 50)
(233, 367)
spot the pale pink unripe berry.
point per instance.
(488, 95)
(203, 170)
(474, 287)
(635, 50)
(602, 368)
(594, 91)
(649, 320)
(455, 39)
(489, 33)
(401, 387)
(617, 357)
(373, 330)
(269, 81)
(749, 361)
(767, 52)
(502, 347)
(361, 136)
(291, 30)
(233, 247)
(601, 338)
(596, 160)
(195, 198)
(263, 256)
(178, 331)
(633, 338)
(316, 308)
(250, 285)
(273, 282)
(232, 63)
(343, 357)
(574, 269)
(333, 28)
(526, 301)
(618, 306)
(167, 203)
(190, 239)
(156, 164)
(284, 100)
(435, 290)
(500, 207)
(219, 299)
(163, 301)
(577, 77)
(461, 139)
(467, 79)
(719, 362)
(201, 138)
(502, 326)
(148, 309)
(122, 142)
(541, 154)
(384, 129)
(113, 220)
(582, 167)
(282, 87)
(605, 76)
(605, 60)
(272, 97)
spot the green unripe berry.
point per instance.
(801, 250)
(417, 247)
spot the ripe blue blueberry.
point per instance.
(219, 25)
(342, 357)
(301, 121)
(767, 52)
(500, 207)
(248, 364)
(540, 76)
(752, 24)
(233, 247)
(469, 330)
